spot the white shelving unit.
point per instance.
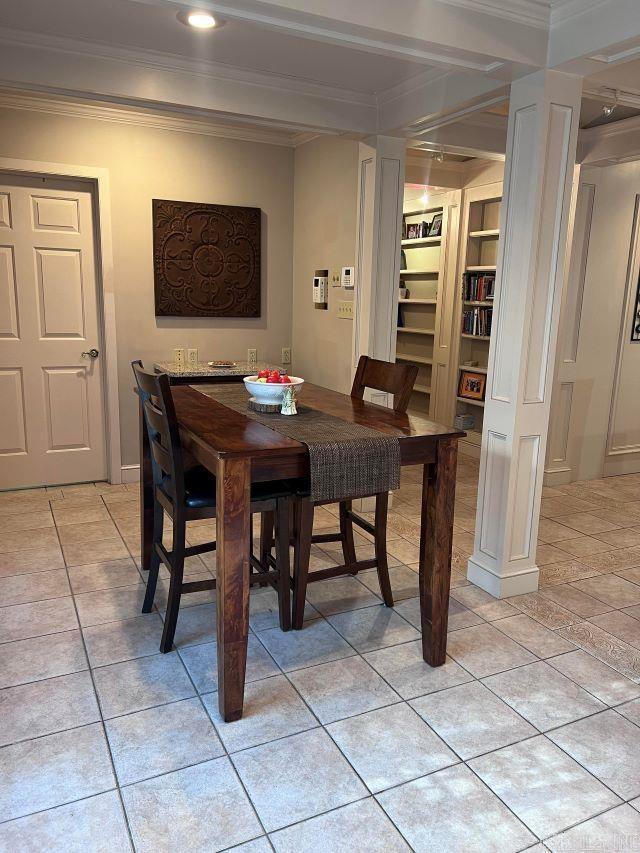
(417, 313)
(479, 237)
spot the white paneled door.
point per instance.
(51, 387)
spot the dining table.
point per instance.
(240, 451)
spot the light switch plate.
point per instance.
(345, 310)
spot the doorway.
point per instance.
(52, 421)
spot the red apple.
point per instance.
(263, 374)
(284, 379)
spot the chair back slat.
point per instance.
(396, 379)
(162, 429)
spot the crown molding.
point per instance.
(565, 10)
(157, 60)
(608, 131)
(531, 13)
(147, 118)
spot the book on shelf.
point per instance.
(478, 287)
(477, 321)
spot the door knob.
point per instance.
(92, 353)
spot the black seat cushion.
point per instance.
(200, 489)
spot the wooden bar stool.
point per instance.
(188, 493)
(396, 379)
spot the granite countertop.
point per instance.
(242, 368)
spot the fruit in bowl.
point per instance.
(268, 385)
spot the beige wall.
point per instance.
(325, 201)
(146, 163)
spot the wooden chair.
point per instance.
(396, 379)
(186, 494)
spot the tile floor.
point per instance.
(528, 737)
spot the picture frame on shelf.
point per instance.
(435, 229)
(472, 385)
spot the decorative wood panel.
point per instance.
(495, 491)
(574, 297)
(9, 327)
(12, 415)
(55, 214)
(61, 297)
(66, 407)
(206, 259)
(521, 509)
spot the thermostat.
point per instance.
(348, 277)
(320, 287)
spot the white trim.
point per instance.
(144, 118)
(130, 474)
(105, 281)
(564, 10)
(502, 585)
(533, 13)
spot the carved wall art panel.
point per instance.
(206, 259)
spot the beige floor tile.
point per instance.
(38, 658)
(21, 621)
(364, 824)
(283, 791)
(561, 573)
(525, 777)
(550, 531)
(48, 706)
(134, 685)
(596, 677)
(632, 575)
(14, 506)
(483, 650)
(403, 579)
(373, 628)
(405, 670)
(197, 808)
(485, 605)
(584, 546)
(27, 521)
(620, 625)
(605, 647)
(77, 826)
(109, 605)
(543, 696)
(64, 514)
(104, 575)
(613, 561)
(38, 586)
(459, 616)
(53, 770)
(196, 625)
(90, 531)
(487, 723)
(573, 599)
(617, 829)
(114, 642)
(32, 560)
(318, 642)
(272, 709)
(621, 538)
(23, 540)
(95, 552)
(340, 594)
(390, 746)
(533, 636)
(201, 662)
(587, 523)
(160, 740)
(557, 507)
(451, 811)
(612, 590)
(547, 612)
(608, 745)
(342, 688)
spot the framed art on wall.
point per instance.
(206, 259)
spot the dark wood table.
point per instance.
(240, 451)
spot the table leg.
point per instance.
(436, 535)
(233, 526)
(146, 493)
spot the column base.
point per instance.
(504, 585)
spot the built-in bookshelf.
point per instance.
(478, 257)
(422, 240)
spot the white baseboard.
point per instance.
(502, 586)
(130, 473)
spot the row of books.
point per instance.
(477, 321)
(478, 287)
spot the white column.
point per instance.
(379, 225)
(540, 156)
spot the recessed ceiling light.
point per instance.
(199, 20)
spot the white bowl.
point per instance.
(269, 392)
